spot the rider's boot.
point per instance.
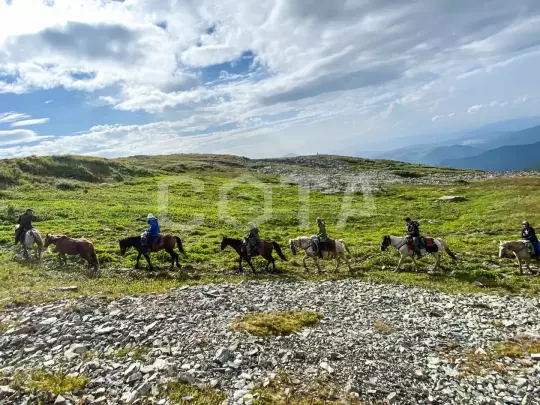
(418, 252)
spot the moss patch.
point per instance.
(44, 381)
(275, 323)
(184, 393)
(482, 362)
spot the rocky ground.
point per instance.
(379, 343)
(334, 176)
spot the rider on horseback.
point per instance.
(149, 234)
(322, 237)
(251, 240)
(25, 224)
(413, 232)
(529, 234)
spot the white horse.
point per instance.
(402, 246)
(306, 244)
(520, 250)
(31, 238)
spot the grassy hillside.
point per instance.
(107, 200)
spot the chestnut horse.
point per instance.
(70, 246)
(163, 241)
(264, 250)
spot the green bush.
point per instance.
(67, 185)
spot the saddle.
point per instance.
(426, 243)
(530, 247)
(329, 244)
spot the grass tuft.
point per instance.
(275, 323)
(44, 381)
(382, 327)
(180, 392)
(483, 362)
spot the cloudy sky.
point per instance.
(258, 78)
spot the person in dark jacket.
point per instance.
(150, 233)
(528, 233)
(322, 236)
(413, 231)
(252, 240)
(25, 224)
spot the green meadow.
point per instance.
(209, 197)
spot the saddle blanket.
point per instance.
(429, 245)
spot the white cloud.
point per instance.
(389, 64)
(475, 108)
(26, 123)
(451, 115)
(12, 116)
(17, 136)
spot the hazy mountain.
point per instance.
(514, 157)
(472, 143)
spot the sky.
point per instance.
(258, 78)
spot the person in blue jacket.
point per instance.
(150, 233)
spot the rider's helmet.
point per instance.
(407, 219)
(525, 223)
(251, 225)
(150, 216)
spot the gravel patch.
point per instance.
(379, 343)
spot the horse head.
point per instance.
(48, 240)
(292, 245)
(224, 243)
(503, 250)
(123, 246)
(386, 241)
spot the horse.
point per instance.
(32, 237)
(162, 242)
(402, 246)
(265, 249)
(520, 250)
(71, 246)
(307, 245)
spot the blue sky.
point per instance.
(111, 78)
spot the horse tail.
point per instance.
(346, 248)
(37, 238)
(95, 260)
(447, 250)
(180, 246)
(278, 250)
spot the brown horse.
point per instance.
(162, 242)
(265, 249)
(70, 246)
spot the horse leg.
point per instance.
(251, 265)
(171, 253)
(25, 252)
(147, 257)
(438, 263)
(520, 265)
(240, 265)
(337, 263)
(399, 264)
(177, 262)
(138, 265)
(63, 259)
(304, 262)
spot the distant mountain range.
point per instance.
(489, 148)
(504, 158)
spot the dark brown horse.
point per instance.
(161, 242)
(265, 249)
(70, 246)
